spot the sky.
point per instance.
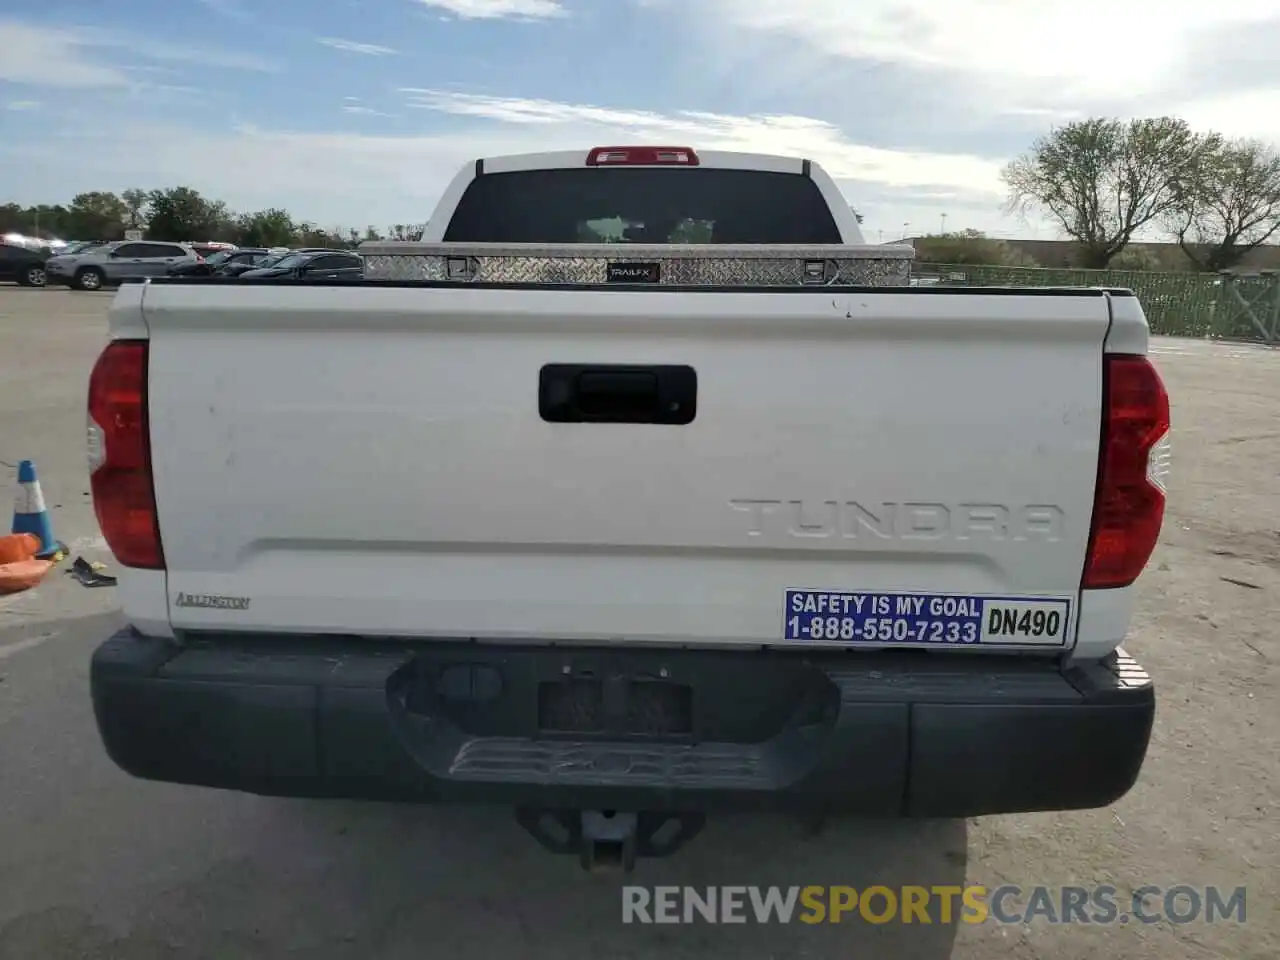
(358, 112)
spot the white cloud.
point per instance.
(389, 179)
(521, 110)
(363, 111)
(39, 56)
(228, 9)
(802, 136)
(1254, 113)
(351, 46)
(500, 9)
(1040, 53)
(22, 105)
(153, 48)
(357, 106)
(74, 57)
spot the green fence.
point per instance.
(1233, 307)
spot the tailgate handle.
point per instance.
(617, 393)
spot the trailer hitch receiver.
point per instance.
(610, 839)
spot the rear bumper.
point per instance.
(877, 735)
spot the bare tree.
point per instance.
(1102, 180)
(135, 202)
(1235, 207)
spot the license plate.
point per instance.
(928, 619)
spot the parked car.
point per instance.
(318, 265)
(22, 265)
(115, 263)
(217, 263)
(238, 267)
(212, 248)
(20, 240)
(77, 246)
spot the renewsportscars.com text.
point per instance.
(1007, 904)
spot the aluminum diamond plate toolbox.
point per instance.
(640, 264)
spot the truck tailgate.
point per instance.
(372, 460)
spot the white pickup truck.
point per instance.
(640, 489)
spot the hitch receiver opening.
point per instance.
(610, 839)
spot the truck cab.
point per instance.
(527, 189)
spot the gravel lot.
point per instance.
(95, 864)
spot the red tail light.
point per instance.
(120, 455)
(642, 156)
(1128, 504)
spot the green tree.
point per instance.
(220, 223)
(179, 214)
(1234, 208)
(96, 216)
(970, 247)
(405, 231)
(1103, 180)
(14, 218)
(311, 235)
(266, 228)
(48, 221)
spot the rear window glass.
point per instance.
(643, 205)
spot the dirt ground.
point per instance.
(94, 864)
